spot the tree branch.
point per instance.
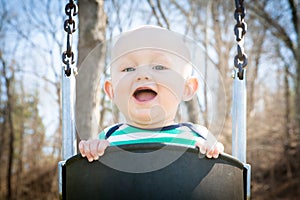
(278, 30)
(294, 15)
(162, 14)
(154, 12)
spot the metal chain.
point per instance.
(240, 29)
(71, 10)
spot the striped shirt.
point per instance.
(183, 134)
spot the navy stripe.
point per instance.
(190, 126)
(112, 130)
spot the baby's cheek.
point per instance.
(173, 84)
(169, 103)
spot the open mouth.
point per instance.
(144, 94)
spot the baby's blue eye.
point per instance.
(159, 67)
(128, 69)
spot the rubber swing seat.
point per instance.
(119, 175)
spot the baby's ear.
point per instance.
(190, 89)
(108, 89)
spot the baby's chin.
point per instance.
(151, 125)
(147, 119)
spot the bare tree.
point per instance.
(24, 57)
(9, 79)
(285, 32)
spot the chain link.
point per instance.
(71, 11)
(240, 29)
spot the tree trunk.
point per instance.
(287, 122)
(21, 133)
(92, 26)
(10, 133)
(223, 107)
(297, 88)
(296, 19)
(252, 81)
(287, 102)
(2, 140)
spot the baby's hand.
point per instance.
(211, 152)
(92, 149)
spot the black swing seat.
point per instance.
(166, 172)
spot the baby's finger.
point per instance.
(215, 153)
(202, 149)
(220, 147)
(81, 149)
(102, 146)
(201, 145)
(209, 154)
(94, 149)
(87, 151)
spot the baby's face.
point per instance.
(147, 87)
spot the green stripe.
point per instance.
(102, 136)
(181, 141)
(129, 130)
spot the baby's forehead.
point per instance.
(146, 56)
(149, 38)
(150, 57)
(149, 45)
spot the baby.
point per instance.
(150, 76)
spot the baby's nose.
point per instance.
(143, 74)
(143, 77)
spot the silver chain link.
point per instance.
(240, 29)
(71, 11)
